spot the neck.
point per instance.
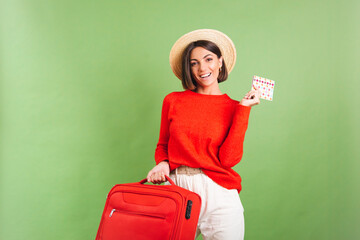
(208, 91)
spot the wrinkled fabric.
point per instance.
(222, 213)
(203, 131)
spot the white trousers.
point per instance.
(222, 213)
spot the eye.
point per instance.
(209, 59)
(192, 64)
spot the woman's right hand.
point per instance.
(157, 174)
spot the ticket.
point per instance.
(266, 87)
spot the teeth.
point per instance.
(205, 75)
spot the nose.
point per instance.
(202, 66)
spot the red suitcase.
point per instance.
(149, 212)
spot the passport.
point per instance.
(266, 87)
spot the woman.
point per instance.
(202, 132)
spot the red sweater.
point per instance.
(203, 131)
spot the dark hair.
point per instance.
(187, 78)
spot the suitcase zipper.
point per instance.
(153, 215)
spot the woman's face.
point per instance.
(205, 66)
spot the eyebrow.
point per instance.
(203, 57)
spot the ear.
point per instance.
(220, 61)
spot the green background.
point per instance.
(82, 83)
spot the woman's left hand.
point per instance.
(251, 98)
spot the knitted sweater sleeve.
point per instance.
(231, 150)
(161, 151)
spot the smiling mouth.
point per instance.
(205, 75)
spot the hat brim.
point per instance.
(224, 43)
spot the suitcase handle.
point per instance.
(167, 178)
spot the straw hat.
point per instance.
(225, 44)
